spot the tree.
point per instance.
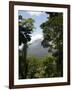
(49, 66)
(32, 66)
(26, 27)
(53, 38)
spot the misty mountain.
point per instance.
(36, 49)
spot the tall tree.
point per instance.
(53, 38)
(26, 27)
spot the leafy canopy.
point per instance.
(26, 27)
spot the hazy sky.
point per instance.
(39, 18)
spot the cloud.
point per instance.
(21, 47)
(35, 13)
(33, 38)
(36, 37)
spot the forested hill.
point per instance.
(36, 49)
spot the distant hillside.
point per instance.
(36, 49)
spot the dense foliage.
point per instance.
(53, 38)
(40, 67)
(26, 27)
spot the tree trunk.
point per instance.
(24, 60)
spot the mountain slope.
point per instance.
(36, 49)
